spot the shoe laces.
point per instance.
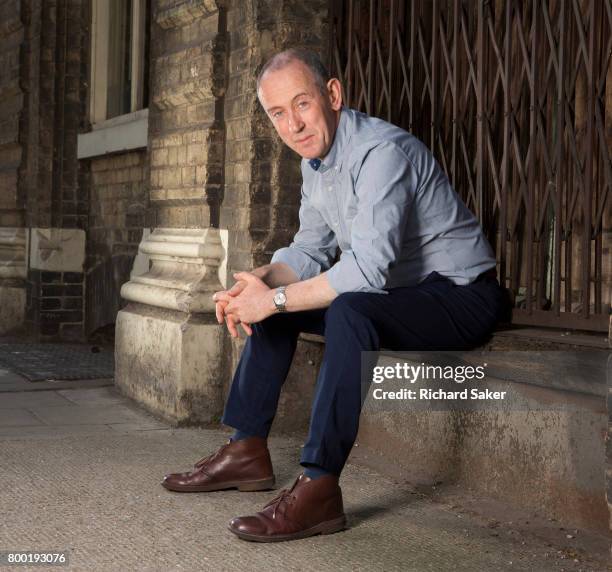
(205, 460)
(285, 497)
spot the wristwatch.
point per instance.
(280, 299)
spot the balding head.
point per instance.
(310, 59)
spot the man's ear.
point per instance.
(334, 91)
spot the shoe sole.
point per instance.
(242, 486)
(327, 527)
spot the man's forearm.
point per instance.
(277, 274)
(310, 294)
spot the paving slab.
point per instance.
(14, 383)
(49, 432)
(8, 377)
(92, 396)
(18, 417)
(85, 414)
(32, 399)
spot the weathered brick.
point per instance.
(170, 178)
(188, 175)
(159, 157)
(172, 156)
(196, 153)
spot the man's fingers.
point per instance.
(231, 326)
(246, 276)
(222, 297)
(237, 288)
(247, 328)
(219, 307)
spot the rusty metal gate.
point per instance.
(515, 100)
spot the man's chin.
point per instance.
(309, 154)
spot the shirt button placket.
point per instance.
(335, 217)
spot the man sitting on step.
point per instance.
(414, 272)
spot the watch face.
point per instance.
(280, 298)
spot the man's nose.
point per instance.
(295, 122)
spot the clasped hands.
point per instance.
(248, 301)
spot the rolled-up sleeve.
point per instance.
(385, 186)
(314, 246)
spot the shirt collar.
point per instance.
(333, 159)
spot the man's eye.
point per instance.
(277, 114)
(303, 104)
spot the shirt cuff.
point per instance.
(346, 276)
(302, 264)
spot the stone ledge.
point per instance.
(549, 374)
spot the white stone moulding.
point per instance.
(13, 249)
(184, 270)
(141, 262)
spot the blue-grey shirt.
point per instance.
(383, 200)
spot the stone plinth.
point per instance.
(168, 346)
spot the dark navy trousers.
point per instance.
(433, 315)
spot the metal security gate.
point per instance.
(515, 100)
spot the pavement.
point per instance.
(80, 467)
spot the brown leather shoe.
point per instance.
(244, 465)
(309, 507)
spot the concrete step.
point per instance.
(542, 448)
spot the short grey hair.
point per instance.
(309, 58)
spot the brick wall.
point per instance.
(12, 33)
(118, 199)
(54, 70)
(186, 130)
(42, 51)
